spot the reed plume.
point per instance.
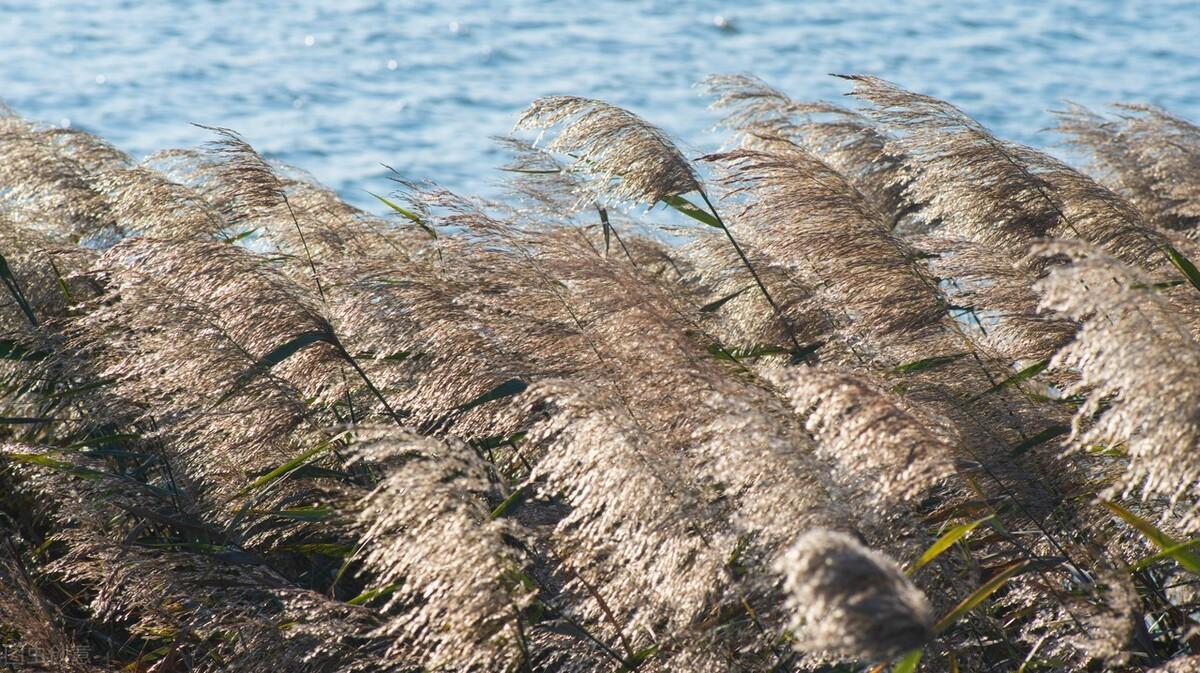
(996, 191)
(246, 183)
(227, 616)
(415, 325)
(995, 298)
(1113, 160)
(455, 584)
(890, 451)
(92, 153)
(245, 425)
(630, 159)
(43, 179)
(653, 563)
(35, 630)
(845, 139)
(171, 348)
(1131, 353)
(133, 560)
(804, 214)
(1146, 154)
(852, 600)
(144, 201)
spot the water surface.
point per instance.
(339, 88)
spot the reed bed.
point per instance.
(870, 389)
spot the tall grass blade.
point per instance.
(1180, 552)
(276, 356)
(371, 594)
(909, 662)
(714, 306)
(43, 460)
(10, 281)
(507, 389)
(286, 467)
(13, 350)
(1023, 375)
(693, 211)
(26, 420)
(1170, 552)
(927, 363)
(1185, 265)
(978, 596)
(1039, 439)
(410, 215)
(944, 542)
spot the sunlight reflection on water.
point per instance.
(339, 88)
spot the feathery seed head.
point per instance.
(851, 600)
(630, 159)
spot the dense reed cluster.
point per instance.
(869, 389)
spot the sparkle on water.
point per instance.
(338, 88)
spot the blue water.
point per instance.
(339, 88)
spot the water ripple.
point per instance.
(341, 87)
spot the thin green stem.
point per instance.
(753, 273)
(363, 375)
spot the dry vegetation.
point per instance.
(900, 395)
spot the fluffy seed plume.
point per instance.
(1135, 360)
(752, 104)
(247, 185)
(998, 191)
(998, 297)
(843, 138)
(144, 201)
(635, 537)
(643, 474)
(31, 627)
(851, 600)
(804, 214)
(893, 453)
(630, 159)
(458, 591)
(90, 152)
(227, 616)
(1147, 154)
(41, 177)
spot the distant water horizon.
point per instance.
(339, 89)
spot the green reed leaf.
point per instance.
(1184, 265)
(238, 237)
(410, 215)
(371, 594)
(507, 389)
(277, 355)
(508, 502)
(927, 363)
(1181, 553)
(908, 663)
(286, 467)
(1023, 375)
(1169, 552)
(978, 596)
(1040, 438)
(713, 306)
(43, 460)
(10, 281)
(692, 210)
(944, 542)
(12, 350)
